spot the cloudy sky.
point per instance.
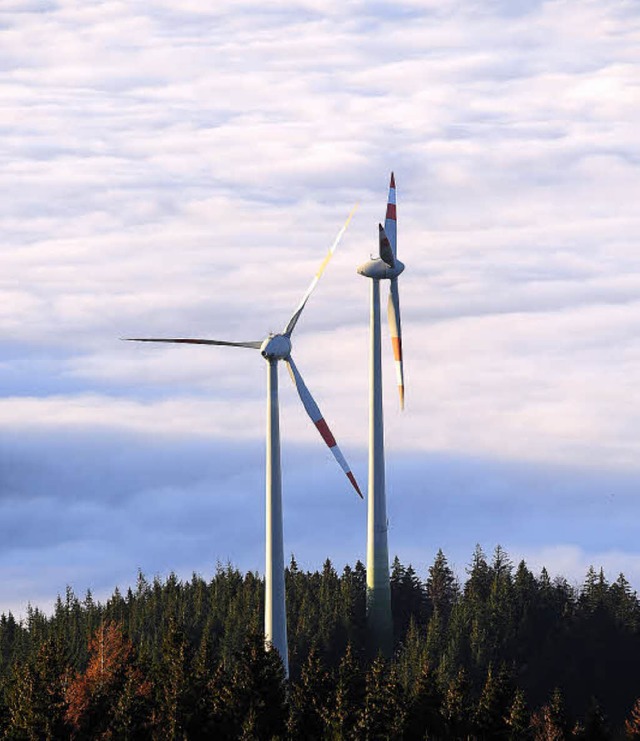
(181, 168)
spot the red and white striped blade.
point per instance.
(395, 328)
(296, 314)
(316, 417)
(390, 222)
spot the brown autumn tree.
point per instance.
(110, 699)
(632, 723)
(549, 722)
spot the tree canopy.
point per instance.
(507, 654)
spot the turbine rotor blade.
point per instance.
(296, 314)
(395, 327)
(316, 417)
(386, 253)
(390, 223)
(184, 341)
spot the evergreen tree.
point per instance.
(382, 713)
(36, 703)
(170, 682)
(309, 700)
(456, 706)
(441, 587)
(518, 718)
(595, 723)
(624, 604)
(258, 687)
(424, 717)
(341, 715)
(197, 695)
(478, 584)
(491, 709)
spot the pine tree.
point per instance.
(436, 636)
(455, 706)
(353, 605)
(170, 683)
(595, 723)
(219, 718)
(197, 699)
(479, 582)
(517, 719)
(36, 703)
(594, 590)
(341, 715)
(382, 714)
(257, 685)
(424, 719)
(309, 700)
(441, 587)
(22, 717)
(491, 708)
(624, 604)
(501, 623)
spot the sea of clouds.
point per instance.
(180, 170)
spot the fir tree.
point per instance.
(341, 715)
(309, 700)
(170, 682)
(595, 723)
(456, 706)
(517, 719)
(491, 709)
(257, 685)
(382, 713)
(424, 717)
(36, 703)
(441, 586)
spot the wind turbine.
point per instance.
(385, 267)
(273, 348)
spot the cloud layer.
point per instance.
(181, 171)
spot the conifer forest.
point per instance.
(503, 654)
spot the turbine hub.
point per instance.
(378, 269)
(276, 347)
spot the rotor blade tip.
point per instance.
(392, 183)
(354, 483)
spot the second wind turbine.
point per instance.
(385, 267)
(273, 348)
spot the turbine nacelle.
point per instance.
(378, 269)
(276, 347)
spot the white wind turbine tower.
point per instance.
(273, 348)
(386, 267)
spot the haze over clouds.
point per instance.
(182, 170)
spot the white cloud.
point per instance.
(573, 562)
(180, 170)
